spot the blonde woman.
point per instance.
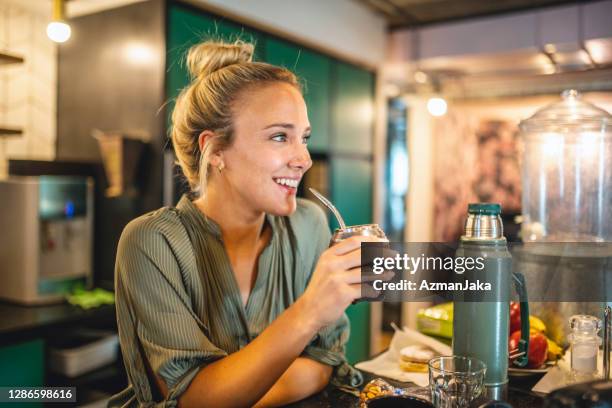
(234, 299)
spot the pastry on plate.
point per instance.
(415, 358)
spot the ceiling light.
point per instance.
(58, 30)
(437, 106)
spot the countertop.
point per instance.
(519, 394)
(21, 323)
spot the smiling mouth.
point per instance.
(286, 182)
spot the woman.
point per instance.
(234, 299)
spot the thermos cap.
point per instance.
(483, 222)
(484, 208)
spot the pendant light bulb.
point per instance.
(437, 106)
(58, 30)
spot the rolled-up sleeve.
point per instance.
(328, 348)
(156, 322)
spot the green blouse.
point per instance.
(179, 306)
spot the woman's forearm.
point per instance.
(244, 377)
(303, 378)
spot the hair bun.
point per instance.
(210, 56)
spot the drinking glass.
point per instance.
(455, 381)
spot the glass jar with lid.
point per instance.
(567, 172)
(585, 344)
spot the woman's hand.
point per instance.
(336, 282)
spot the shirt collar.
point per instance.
(197, 217)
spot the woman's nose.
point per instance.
(301, 158)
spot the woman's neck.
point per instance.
(240, 226)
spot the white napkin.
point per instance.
(387, 364)
(556, 377)
(559, 375)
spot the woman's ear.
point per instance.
(204, 138)
(205, 142)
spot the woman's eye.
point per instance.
(306, 139)
(280, 137)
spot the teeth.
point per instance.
(287, 182)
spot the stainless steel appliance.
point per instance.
(46, 229)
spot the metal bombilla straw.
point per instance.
(329, 205)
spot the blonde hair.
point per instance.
(220, 72)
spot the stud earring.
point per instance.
(220, 167)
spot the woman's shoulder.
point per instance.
(159, 237)
(154, 249)
(163, 222)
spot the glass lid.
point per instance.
(571, 114)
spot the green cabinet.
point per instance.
(187, 27)
(22, 365)
(358, 346)
(313, 69)
(353, 110)
(351, 186)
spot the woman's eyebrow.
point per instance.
(283, 125)
(287, 126)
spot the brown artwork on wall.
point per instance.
(474, 163)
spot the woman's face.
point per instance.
(269, 155)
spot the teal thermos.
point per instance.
(480, 328)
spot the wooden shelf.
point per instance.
(6, 58)
(10, 131)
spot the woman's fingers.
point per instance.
(368, 292)
(349, 261)
(354, 276)
(363, 291)
(355, 291)
(385, 276)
